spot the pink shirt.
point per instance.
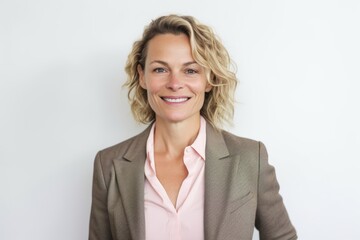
(163, 221)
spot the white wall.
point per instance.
(61, 101)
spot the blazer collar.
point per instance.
(130, 178)
(217, 169)
(135, 151)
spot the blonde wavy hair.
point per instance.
(207, 51)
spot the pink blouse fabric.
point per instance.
(163, 221)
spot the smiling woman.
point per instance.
(207, 52)
(184, 177)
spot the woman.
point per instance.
(184, 177)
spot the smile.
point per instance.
(175, 100)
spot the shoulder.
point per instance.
(231, 138)
(237, 144)
(118, 149)
(135, 145)
(222, 142)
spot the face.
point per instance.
(175, 83)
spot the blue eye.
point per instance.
(159, 70)
(191, 71)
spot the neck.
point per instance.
(172, 138)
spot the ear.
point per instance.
(141, 76)
(208, 74)
(208, 87)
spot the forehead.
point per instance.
(169, 38)
(169, 45)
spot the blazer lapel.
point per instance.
(217, 173)
(130, 177)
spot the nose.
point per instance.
(174, 82)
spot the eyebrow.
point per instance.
(166, 64)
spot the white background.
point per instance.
(61, 101)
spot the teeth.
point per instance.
(175, 100)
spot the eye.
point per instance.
(190, 71)
(159, 70)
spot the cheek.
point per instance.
(153, 83)
(200, 87)
(153, 87)
(153, 90)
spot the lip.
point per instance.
(180, 99)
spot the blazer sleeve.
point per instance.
(272, 219)
(99, 219)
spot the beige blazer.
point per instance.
(241, 191)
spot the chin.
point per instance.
(177, 118)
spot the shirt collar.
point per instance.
(198, 145)
(200, 142)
